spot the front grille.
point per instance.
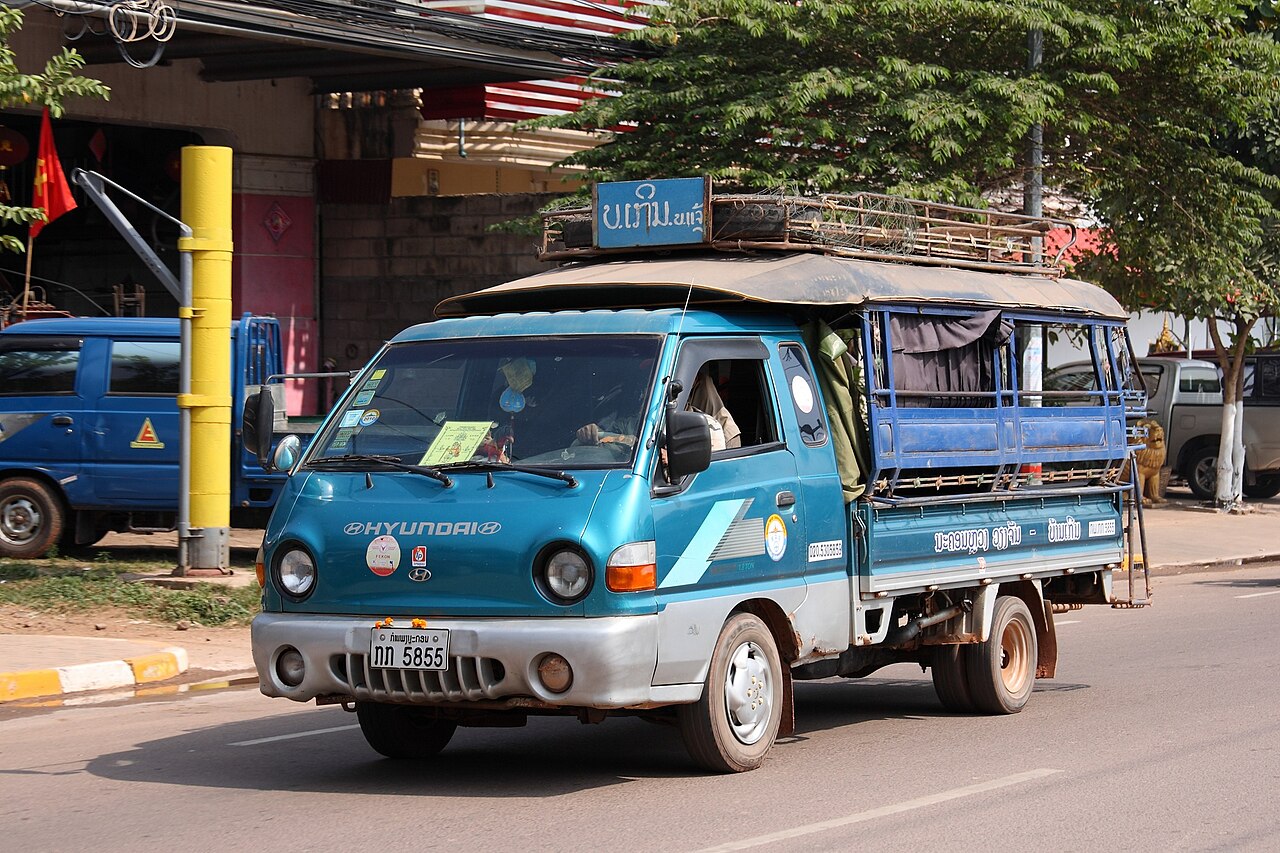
(466, 679)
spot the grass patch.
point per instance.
(67, 586)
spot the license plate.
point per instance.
(409, 648)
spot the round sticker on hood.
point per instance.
(383, 555)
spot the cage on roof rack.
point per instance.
(683, 213)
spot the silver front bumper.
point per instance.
(613, 661)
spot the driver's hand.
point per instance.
(589, 434)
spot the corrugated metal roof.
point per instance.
(781, 279)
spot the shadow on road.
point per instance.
(1242, 583)
(548, 758)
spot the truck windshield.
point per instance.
(562, 401)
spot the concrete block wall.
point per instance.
(384, 267)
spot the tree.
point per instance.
(50, 88)
(932, 98)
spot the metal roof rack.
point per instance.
(863, 225)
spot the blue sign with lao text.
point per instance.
(669, 212)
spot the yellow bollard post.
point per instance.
(206, 208)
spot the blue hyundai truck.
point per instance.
(89, 428)
(756, 441)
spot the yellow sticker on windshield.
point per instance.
(457, 442)
(519, 373)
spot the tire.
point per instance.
(1265, 486)
(732, 727)
(1002, 670)
(951, 678)
(402, 731)
(31, 518)
(1202, 472)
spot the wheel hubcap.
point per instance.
(1206, 473)
(748, 692)
(19, 520)
(1015, 657)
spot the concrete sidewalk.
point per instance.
(1181, 537)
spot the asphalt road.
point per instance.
(1161, 732)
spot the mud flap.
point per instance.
(787, 725)
(1047, 660)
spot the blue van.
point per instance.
(89, 428)
(670, 482)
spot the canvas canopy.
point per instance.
(799, 278)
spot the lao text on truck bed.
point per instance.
(793, 440)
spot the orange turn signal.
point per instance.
(260, 570)
(631, 578)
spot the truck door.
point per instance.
(41, 407)
(737, 525)
(132, 449)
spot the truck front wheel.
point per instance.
(31, 518)
(1002, 670)
(731, 728)
(402, 731)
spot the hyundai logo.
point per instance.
(420, 575)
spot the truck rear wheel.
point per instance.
(31, 518)
(1002, 670)
(951, 678)
(1265, 486)
(732, 727)
(402, 731)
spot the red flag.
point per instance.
(51, 190)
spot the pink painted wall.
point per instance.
(274, 272)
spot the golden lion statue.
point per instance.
(1150, 460)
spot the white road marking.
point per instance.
(884, 811)
(1260, 594)
(257, 741)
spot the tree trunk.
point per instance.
(1230, 469)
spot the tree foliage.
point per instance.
(1161, 116)
(55, 84)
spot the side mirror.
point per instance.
(688, 444)
(288, 451)
(258, 425)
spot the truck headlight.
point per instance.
(565, 575)
(296, 572)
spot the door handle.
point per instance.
(785, 498)
(62, 420)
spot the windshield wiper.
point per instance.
(550, 474)
(387, 460)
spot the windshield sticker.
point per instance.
(511, 401)
(458, 441)
(351, 418)
(379, 373)
(147, 438)
(422, 528)
(371, 384)
(363, 398)
(342, 437)
(383, 556)
(369, 417)
(775, 537)
(519, 373)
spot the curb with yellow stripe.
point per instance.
(142, 669)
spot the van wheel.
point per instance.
(1002, 670)
(1265, 486)
(951, 678)
(1202, 474)
(732, 727)
(402, 731)
(31, 518)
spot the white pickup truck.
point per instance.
(1185, 396)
